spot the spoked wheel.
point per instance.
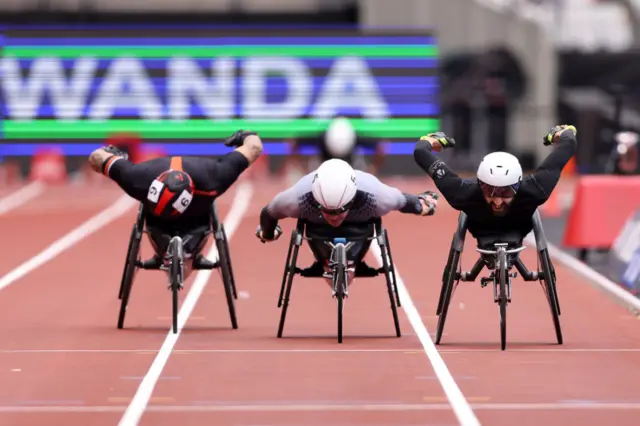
(128, 275)
(176, 276)
(549, 287)
(227, 278)
(502, 278)
(447, 292)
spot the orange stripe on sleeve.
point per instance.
(110, 161)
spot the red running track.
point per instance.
(63, 362)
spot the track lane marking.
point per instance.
(21, 196)
(460, 406)
(106, 216)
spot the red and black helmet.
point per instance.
(170, 194)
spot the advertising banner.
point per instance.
(187, 88)
(624, 257)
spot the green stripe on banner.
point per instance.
(213, 51)
(205, 129)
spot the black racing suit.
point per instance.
(465, 194)
(211, 178)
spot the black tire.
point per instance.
(550, 290)
(128, 274)
(290, 275)
(228, 251)
(227, 280)
(339, 279)
(389, 272)
(393, 276)
(176, 276)
(448, 291)
(286, 268)
(126, 261)
(502, 297)
(444, 278)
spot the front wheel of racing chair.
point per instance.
(131, 265)
(339, 279)
(175, 256)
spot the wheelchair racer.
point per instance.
(178, 192)
(338, 201)
(499, 202)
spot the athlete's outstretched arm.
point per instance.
(390, 199)
(548, 173)
(285, 204)
(455, 190)
(251, 147)
(134, 179)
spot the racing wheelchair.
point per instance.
(500, 262)
(341, 268)
(173, 263)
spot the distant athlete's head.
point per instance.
(170, 194)
(334, 189)
(340, 138)
(499, 177)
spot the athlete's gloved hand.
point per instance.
(237, 139)
(439, 141)
(430, 198)
(262, 238)
(112, 149)
(554, 134)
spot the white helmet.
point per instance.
(340, 137)
(334, 185)
(500, 170)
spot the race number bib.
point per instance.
(154, 191)
(183, 202)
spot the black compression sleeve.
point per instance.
(448, 183)
(413, 204)
(548, 174)
(267, 223)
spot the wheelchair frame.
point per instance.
(501, 261)
(175, 269)
(339, 276)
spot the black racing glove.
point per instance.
(445, 141)
(237, 139)
(432, 194)
(112, 149)
(550, 137)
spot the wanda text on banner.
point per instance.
(180, 86)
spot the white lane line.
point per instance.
(21, 196)
(458, 402)
(619, 293)
(140, 400)
(92, 225)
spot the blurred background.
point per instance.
(165, 77)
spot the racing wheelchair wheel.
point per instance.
(502, 277)
(444, 277)
(340, 286)
(176, 275)
(228, 255)
(290, 271)
(130, 268)
(450, 280)
(549, 286)
(390, 276)
(226, 273)
(286, 268)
